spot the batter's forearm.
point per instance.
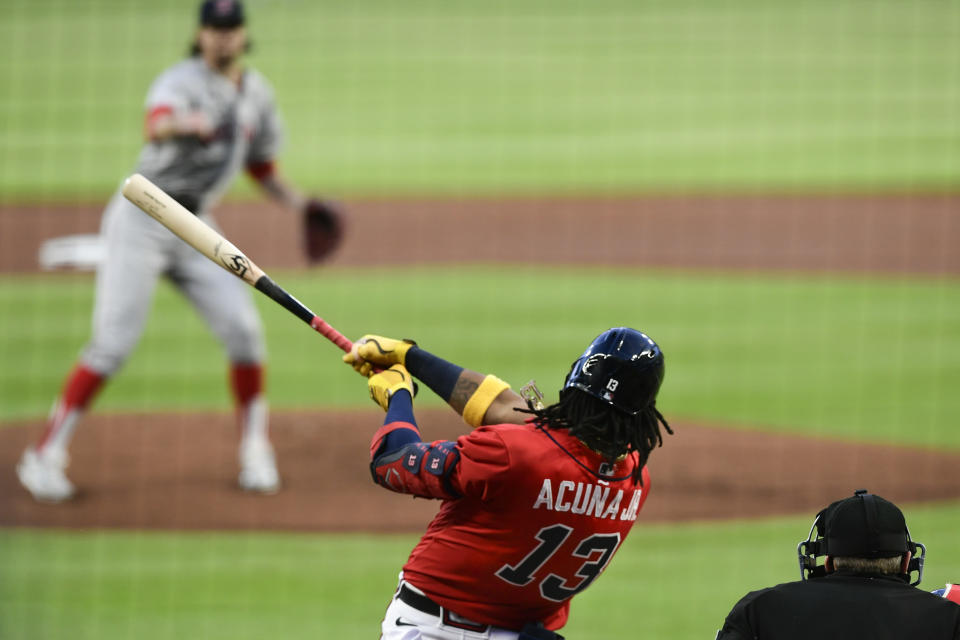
(463, 390)
(399, 427)
(441, 376)
(400, 461)
(479, 398)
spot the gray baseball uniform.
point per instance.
(197, 173)
(204, 126)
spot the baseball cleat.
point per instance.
(42, 475)
(258, 468)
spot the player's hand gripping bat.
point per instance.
(192, 230)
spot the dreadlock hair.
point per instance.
(604, 428)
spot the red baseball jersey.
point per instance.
(952, 592)
(530, 529)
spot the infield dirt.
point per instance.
(177, 471)
(885, 234)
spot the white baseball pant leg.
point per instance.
(136, 254)
(224, 301)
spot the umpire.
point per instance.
(862, 590)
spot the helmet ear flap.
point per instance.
(573, 368)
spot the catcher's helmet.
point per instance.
(621, 367)
(862, 526)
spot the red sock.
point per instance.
(79, 389)
(246, 382)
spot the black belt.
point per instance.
(424, 604)
(418, 601)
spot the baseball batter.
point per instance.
(207, 118)
(536, 501)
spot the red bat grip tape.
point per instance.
(323, 328)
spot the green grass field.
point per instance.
(667, 582)
(848, 357)
(539, 96)
(488, 98)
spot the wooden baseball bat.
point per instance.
(153, 201)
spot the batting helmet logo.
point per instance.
(591, 362)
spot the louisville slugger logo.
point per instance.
(236, 262)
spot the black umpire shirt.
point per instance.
(843, 606)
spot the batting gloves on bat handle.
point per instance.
(372, 351)
(383, 385)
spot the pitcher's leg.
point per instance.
(79, 390)
(41, 469)
(258, 467)
(226, 304)
(136, 253)
(124, 287)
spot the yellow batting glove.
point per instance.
(359, 365)
(377, 350)
(383, 385)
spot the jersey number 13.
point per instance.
(554, 587)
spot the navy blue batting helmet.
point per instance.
(622, 367)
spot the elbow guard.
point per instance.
(418, 468)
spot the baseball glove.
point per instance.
(322, 229)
